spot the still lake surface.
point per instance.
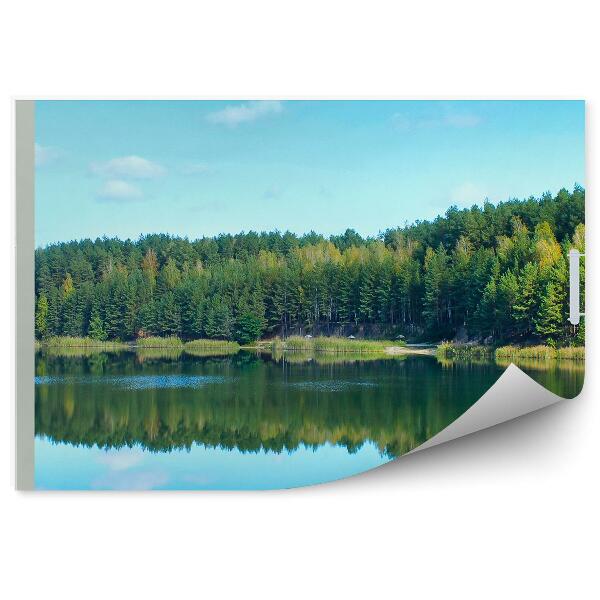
(156, 420)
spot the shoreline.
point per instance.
(322, 345)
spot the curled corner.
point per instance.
(513, 395)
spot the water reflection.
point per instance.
(225, 420)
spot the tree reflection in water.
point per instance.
(255, 403)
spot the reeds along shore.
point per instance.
(209, 345)
(539, 352)
(332, 344)
(320, 344)
(80, 342)
(176, 343)
(542, 352)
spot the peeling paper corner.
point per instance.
(513, 395)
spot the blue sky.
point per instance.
(195, 168)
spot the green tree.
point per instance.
(526, 301)
(169, 315)
(486, 315)
(41, 316)
(67, 286)
(436, 308)
(549, 321)
(507, 293)
(248, 328)
(96, 328)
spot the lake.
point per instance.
(156, 420)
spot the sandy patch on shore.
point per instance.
(395, 350)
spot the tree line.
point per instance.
(497, 272)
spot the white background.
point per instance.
(507, 513)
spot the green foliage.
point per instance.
(248, 328)
(487, 312)
(41, 316)
(159, 342)
(96, 329)
(169, 315)
(538, 352)
(82, 342)
(436, 301)
(550, 323)
(526, 300)
(463, 351)
(495, 272)
(197, 345)
(572, 353)
(333, 344)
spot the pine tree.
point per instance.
(96, 328)
(54, 312)
(116, 308)
(366, 293)
(248, 328)
(526, 301)
(41, 316)
(147, 320)
(461, 266)
(150, 266)
(507, 292)
(198, 320)
(549, 321)
(170, 317)
(486, 315)
(383, 295)
(436, 281)
(71, 316)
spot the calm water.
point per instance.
(246, 421)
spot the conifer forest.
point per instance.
(497, 273)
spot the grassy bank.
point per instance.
(159, 342)
(202, 345)
(332, 344)
(333, 358)
(572, 353)
(64, 342)
(504, 353)
(540, 352)
(464, 351)
(175, 346)
(175, 343)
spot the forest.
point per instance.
(497, 273)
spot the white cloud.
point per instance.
(467, 194)
(245, 113)
(116, 190)
(44, 155)
(132, 166)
